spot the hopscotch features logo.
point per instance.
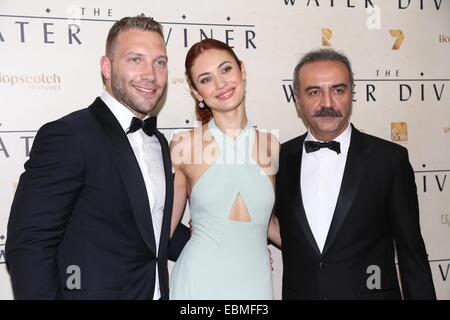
(2, 249)
(32, 81)
(399, 131)
(185, 33)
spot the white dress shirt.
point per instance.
(320, 181)
(149, 157)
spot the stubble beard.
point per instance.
(128, 100)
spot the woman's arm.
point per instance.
(180, 181)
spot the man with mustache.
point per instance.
(92, 211)
(346, 201)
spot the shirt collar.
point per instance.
(122, 113)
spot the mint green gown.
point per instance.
(227, 259)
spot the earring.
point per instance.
(201, 104)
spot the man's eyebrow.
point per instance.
(163, 56)
(311, 88)
(334, 86)
(343, 85)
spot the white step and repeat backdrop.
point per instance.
(400, 49)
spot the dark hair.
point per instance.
(204, 114)
(140, 22)
(320, 55)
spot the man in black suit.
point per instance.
(92, 211)
(345, 199)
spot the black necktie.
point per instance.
(311, 146)
(148, 125)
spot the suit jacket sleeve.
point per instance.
(417, 282)
(178, 240)
(42, 206)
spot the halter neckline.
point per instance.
(237, 150)
(212, 125)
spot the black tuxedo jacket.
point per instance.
(376, 211)
(82, 203)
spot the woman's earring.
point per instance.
(201, 104)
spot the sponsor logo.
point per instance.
(399, 131)
(399, 37)
(326, 37)
(37, 81)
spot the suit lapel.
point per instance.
(294, 162)
(129, 170)
(354, 169)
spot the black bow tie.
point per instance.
(148, 125)
(311, 146)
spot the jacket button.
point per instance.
(322, 265)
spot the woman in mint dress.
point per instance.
(226, 170)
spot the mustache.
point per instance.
(327, 112)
